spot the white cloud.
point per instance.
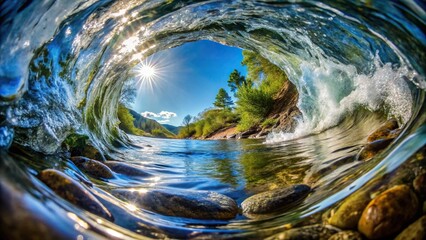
(149, 114)
(161, 117)
(167, 115)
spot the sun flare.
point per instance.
(147, 72)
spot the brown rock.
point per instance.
(416, 231)
(73, 192)
(312, 232)
(373, 148)
(181, 203)
(274, 200)
(94, 168)
(383, 131)
(347, 235)
(349, 213)
(388, 213)
(126, 169)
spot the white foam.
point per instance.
(329, 92)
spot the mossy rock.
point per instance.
(350, 211)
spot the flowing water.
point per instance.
(63, 64)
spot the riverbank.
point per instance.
(282, 117)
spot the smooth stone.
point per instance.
(73, 192)
(416, 231)
(312, 232)
(347, 235)
(181, 203)
(383, 131)
(373, 148)
(94, 168)
(389, 212)
(126, 169)
(274, 200)
(348, 214)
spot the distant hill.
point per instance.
(150, 126)
(172, 128)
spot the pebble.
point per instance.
(349, 213)
(311, 232)
(383, 131)
(94, 168)
(416, 231)
(73, 192)
(127, 169)
(274, 200)
(347, 235)
(373, 148)
(388, 213)
(181, 203)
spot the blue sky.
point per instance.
(188, 79)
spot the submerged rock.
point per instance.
(94, 168)
(347, 235)
(383, 131)
(416, 231)
(312, 232)
(181, 203)
(126, 169)
(373, 148)
(350, 211)
(389, 212)
(274, 200)
(73, 192)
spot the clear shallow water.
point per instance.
(63, 64)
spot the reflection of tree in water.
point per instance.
(225, 171)
(225, 167)
(265, 169)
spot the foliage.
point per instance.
(256, 96)
(75, 140)
(127, 121)
(263, 73)
(128, 93)
(253, 105)
(208, 122)
(235, 80)
(223, 100)
(269, 122)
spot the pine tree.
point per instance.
(223, 100)
(235, 80)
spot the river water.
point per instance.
(63, 64)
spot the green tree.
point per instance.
(223, 100)
(186, 121)
(261, 72)
(235, 80)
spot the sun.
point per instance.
(147, 72)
